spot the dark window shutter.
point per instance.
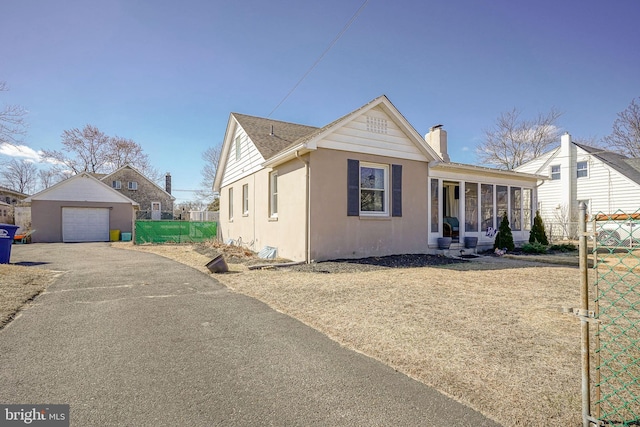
(353, 187)
(396, 190)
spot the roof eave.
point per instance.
(486, 170)
(287, 155)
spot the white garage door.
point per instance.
(85, 224)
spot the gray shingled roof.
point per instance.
(284, 133)
(626, 166)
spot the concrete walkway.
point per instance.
(133, 339)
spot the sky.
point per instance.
(167, 74)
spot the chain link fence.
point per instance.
(616, 256)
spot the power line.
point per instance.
(335, 40)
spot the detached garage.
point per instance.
(80, 209)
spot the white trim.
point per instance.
(386, 190)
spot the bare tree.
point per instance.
(85, 150)
(91, 150)
(12, 121)
(211, 157)
(49, 177)
(19, 175)
(513, 141)
(625, 137)
(125, 151)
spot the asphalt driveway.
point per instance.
(131, 338)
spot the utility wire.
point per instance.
(335, 40)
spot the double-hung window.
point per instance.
(245, 199)
(582, 169)
(116, 184)
(132, 185)
(374, 189)
(555, 172)
(273, 194)
(374, 184)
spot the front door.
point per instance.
(155, 210)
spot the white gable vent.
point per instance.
(376, 125)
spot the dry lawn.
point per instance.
(490, 333)
(18, 286)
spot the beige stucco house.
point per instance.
(364, 185)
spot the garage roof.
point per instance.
(82, 188)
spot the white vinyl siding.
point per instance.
(249, 161)
(607, 189)
(374, 133)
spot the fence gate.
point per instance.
(614, 322)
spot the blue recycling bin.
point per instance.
(7, 231)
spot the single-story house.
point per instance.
(364, 185)
(605, 181)
(80, 209)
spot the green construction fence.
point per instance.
(150, 231)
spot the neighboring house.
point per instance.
(365, 185)
(6, 213)
(11, 197)
(211, 216)
(80, 209)
(607, 182)
(154, 201)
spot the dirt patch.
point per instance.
(489, 332)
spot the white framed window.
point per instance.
(132, 185)
(238, 148)
(245, 199)
(555, 172)
(116, 184)
(582, 169)
(273, 194)
(231, 203)
(374, 189)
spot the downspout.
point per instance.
(307, 225)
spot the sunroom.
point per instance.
(467, 203)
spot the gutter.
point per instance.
(307, 225)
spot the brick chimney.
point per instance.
(167, 183)
(437, 139)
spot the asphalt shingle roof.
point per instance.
(284, 133)
(626, 166)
